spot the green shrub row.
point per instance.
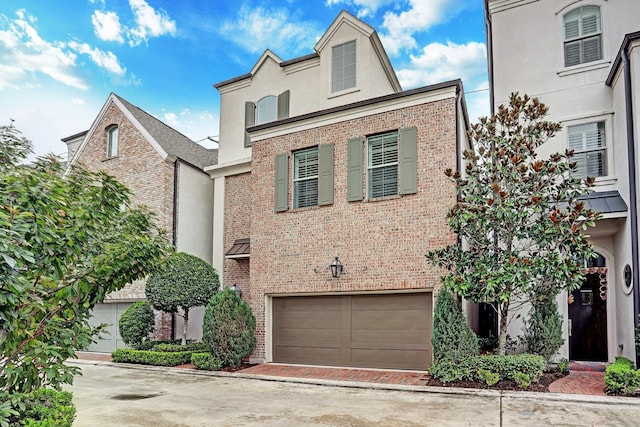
(41, 408)
(206, 361)
(521, 368)
(174, 348)
(147, 357)
(149, 344)
(621, 378)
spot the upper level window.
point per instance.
(590, 149)
(305, 178)
(582, 36)
(112, 141)
(267, 109)
(343, 66)
(382, 165)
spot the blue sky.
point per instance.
(59, 60)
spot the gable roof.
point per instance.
(168, 142)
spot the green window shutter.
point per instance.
(408, 160)
(282, 181)
(325, 174)
(249, 120)
(354, 170)
(283, 105)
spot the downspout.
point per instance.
(174, 227)
(488, 28)
(633, 210)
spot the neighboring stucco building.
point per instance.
(164, 171)
(579, 58)
(336, 163)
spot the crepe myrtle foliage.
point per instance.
(66, 241)
(183, 282)
(518, 216)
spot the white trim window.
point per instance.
(305, 178)
(112, 141)
(343, 66)
(382, 165)
(588, 142)
(267, 109)
(582, 35)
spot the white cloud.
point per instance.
(149, 23)
(256, 29)
(197, 125)
(107, 26)
(24, 53)
(364, 7)
(399, 28)
(106, 60)
(77, 101)
(438, 62)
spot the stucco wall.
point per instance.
(382, 243)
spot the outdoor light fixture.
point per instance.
(236, 289)
(336, 268)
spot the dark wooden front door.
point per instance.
(588, 316)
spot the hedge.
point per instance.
(43, 408)
(206, 361)
(147, 357)
(172, 348)
(621, 378)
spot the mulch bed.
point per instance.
(541, 386)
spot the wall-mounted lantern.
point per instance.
(236, 289)
(336, 268)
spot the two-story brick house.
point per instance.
(336, 166)
(164, 171)
(579, 58)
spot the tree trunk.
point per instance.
(186, 326)
(502, 333)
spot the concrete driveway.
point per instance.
(108, 395)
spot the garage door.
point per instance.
(377, 331)
(109, 314)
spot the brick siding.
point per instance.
(237, 224)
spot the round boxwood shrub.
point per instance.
(229, 328)
(136, 323)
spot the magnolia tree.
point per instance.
(519, 216)
(65, 243)
(184, 282)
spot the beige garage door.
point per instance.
(377, 331)
(109, 314)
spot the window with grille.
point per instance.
(382, 165)
(590, 149)
(582, 36)
(112, 141)
(305, 178)
(343, 66)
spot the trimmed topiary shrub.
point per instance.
(206, 361)
(543, 329)
(146, 357)
(184, 282)
(136, 323)
(621, 378)
(42, 408)
(452, 338)
(229, 328)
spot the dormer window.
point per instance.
(112, 141)
(266, 109)
(582, 36)
(343, 66)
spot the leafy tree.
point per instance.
(184, 282)
(519, 216)
(136, 323)
(65, 242)
(229, 328)
(543, 327)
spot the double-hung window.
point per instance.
(588, 141)
(582, 35)
(112, 141)
(305, 178)
(343, 66)
(382, 165)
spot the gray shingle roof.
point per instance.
(172, 141)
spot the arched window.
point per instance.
(582, 35)
(112, 141)
(267, 109)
